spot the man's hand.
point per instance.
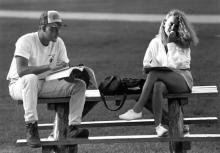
(58, 65)
(172, 37)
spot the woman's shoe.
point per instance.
(130, 115)
(161, 131)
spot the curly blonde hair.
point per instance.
(186, 32)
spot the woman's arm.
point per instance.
(178, 58)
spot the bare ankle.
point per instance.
(137, 110)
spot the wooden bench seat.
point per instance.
(125, 139)
(178, 142)
(139, 122)
(94, 95)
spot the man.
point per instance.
(36, 53)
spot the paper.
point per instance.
(61, 73)
(65, 72)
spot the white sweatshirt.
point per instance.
(176, 57)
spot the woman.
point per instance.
(169, 49)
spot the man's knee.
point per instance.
(80, 86)
(30, 79)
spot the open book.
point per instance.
(62, 73)
(65, 72)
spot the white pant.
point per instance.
(28, 88)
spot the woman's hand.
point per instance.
(172, 37)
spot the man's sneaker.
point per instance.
(161, 131)
(130, 115)
(32, 135)
(74, 132)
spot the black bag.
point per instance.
(132, 85)
(114, 85)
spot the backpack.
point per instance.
(133, 85)
(114, 85)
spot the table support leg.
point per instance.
(60, 129)
(47, 149)
(175, 125)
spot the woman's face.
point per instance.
(171, 24)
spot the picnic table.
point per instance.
(178, 142)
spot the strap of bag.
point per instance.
(111, 79)
(119, 106)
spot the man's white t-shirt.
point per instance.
(30, 47)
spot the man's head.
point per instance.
(50, 24)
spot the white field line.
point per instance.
(194, 18)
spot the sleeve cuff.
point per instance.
(25, 56)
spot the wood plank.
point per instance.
(125, 139)
(88, 99)
(175, 125)
(206, 91)
(60, 128)
(140, 122)
(94, 95)
(186, 95)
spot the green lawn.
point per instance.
(111, 48)
(119, 6)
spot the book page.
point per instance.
(55, 71)
(43, 75)
(65, 72)
(62, 73)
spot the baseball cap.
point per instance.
(51, 17)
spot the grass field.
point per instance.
(112, 48)
(116, 6)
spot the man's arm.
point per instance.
(23, 68)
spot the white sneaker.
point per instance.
(130, 115)
(161, 131)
